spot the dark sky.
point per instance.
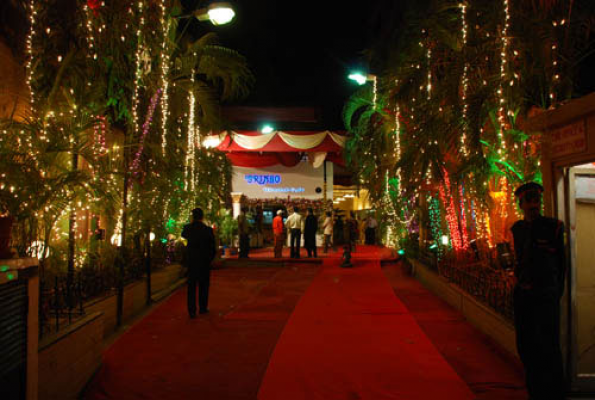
(300, 51)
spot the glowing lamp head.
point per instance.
(444, 240)
(267, 129)
(358, 77)
(116, 239)
(151, 236)
(219, 13)
(401, 252)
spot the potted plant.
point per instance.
(228, 231)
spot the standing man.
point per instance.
(328, 230)
(539, 273)
(371, 230)
(278, 232)
(244, 231)
(310, 233)
(200, 252)
(295, 225)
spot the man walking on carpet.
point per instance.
(295, 226)
(278, 232)
(200, 252)
(540, 272)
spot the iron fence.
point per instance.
(487, 280)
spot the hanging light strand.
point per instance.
(165, 60)
(464, 81)
(30, 54)
(138, 68)
(503, 72)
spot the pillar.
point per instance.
(236, 203)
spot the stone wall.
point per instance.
(135, 298)
(481, 316)
(69, 359)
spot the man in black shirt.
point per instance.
(200, 252)
(539, 272)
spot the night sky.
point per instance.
(300, 51)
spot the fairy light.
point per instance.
(555, 74)
(435, 218)
(138, 69)
(503, 68)
(464, 231)
(451, 214)
(29, 48)
(464, 80)
(375, 90)
(429, 60)
(91, 33)
(134, 166)
(165, 60)
(191, 137)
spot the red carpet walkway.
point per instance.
(352, 344)
(351, 338)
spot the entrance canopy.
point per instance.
(254, 149)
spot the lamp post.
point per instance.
(218, 12)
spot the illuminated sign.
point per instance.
(284, 190)
(272, 179)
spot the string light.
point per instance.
(134, 166)
(165, 60)
(503, 68)
(451, 214)
(465, 80)
(138, 61)
(191, 136)
(91, 33)
(29, 48)
(464, 231)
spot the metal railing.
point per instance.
(486, 280)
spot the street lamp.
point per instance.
(267, 129)
(361, 78)
(218, 12)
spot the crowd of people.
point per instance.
(337, 232)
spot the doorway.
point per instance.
(576, 207)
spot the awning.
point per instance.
(254, 149)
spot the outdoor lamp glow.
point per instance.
(151, 236)
(444, 239)
(219, 13)
(266, 129)
(361, 78)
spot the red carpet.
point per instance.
(351, 338)
(491, 373)
(218, 356)
(362, 251)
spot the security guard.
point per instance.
(539, 272)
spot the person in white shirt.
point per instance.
(328, 230)
(295, 226)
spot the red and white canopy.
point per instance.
(254, 149)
